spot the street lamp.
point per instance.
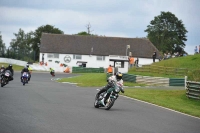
(127, 47)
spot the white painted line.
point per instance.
(161, 107)
(68, 83)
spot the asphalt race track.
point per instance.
(45, 106)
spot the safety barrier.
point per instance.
(87, 70)
(193, 89)
(129, 78)
(176, 82)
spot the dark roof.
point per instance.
(103, 46)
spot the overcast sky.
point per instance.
(113, 18)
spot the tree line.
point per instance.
(165, 31)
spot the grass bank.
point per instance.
(190, 62)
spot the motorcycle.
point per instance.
(5, 78)
(29, 75)
(1, 72)
(52, 73)
(30, 72)
(25, 77)
(114, 93)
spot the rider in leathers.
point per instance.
(117, 78)
(11, 70)
(25, 69)
(29, 73)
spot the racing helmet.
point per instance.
(10, 66)
(25, 68)
(27, 65)
(119, 76)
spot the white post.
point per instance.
(185, 82)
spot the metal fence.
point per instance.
(193, 89)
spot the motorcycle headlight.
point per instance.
(117, 89)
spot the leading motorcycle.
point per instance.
(113, 93)
(5, 77)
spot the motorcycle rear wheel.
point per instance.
(96, 104)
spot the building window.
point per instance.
(100, 57)
(53, 55)
(77, 57)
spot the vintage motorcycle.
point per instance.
(25, 78)
(113, 95)
(5, 77)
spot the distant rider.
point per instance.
(25, 69)
(29, 71)
(11, 70)
(116, 78)
(51, 70)
(2, 68)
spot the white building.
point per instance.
(93, 51)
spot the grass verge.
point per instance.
(173, 99)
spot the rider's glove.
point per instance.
(122, 91)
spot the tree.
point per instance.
(20, 47)
(167, 33)
(2, 46)
(37, 36)
(82, 33)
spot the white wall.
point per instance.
(13, 61)
(91, 60)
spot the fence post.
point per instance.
(186, 82)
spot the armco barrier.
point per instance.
(129, 77)
(176, 82)
(193, 89)
(87, 70)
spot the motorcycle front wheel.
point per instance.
(110, 103)
(2, 82)
(24, 81)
